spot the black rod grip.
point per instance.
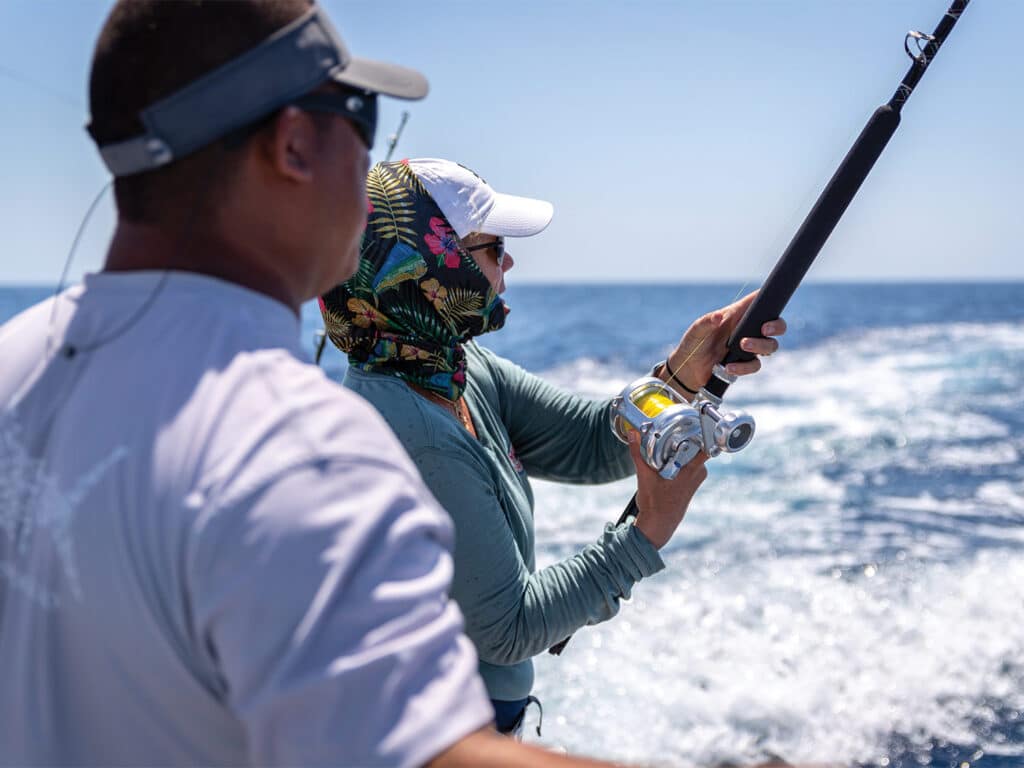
(810, 238)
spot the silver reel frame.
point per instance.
(672, 438)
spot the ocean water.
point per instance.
(850, 588)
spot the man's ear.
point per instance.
(291, 145)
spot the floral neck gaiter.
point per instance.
(416, 297)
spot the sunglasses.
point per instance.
(498, 244)
(360, 107)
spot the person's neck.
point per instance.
(457, 408)
(137, 247)
(431, 394)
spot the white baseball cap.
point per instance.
(471, 205)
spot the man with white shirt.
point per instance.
(209, 553)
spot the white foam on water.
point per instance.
(952, 524)
(1003, 494)
(857, 383)
(777, 657)
(591, 378)
(811, 609)
(961, 456)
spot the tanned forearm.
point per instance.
(486, 749)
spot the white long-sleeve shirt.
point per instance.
(209, 553)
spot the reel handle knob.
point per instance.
(727, 432)
(734, 431)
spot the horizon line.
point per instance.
(537, 282)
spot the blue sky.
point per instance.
(679, 141)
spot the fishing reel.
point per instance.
(673, 431)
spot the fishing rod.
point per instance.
(320, 337)
(672, 431)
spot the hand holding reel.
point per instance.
(673, 431)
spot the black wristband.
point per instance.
(672, 377)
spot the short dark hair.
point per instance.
(148, 49)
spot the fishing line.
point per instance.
(778, 243)
(70, 350)
(700, 344)
(765, 261)
(68, 259)
(38, 87)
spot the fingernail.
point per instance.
(731, 369)
(746, 344)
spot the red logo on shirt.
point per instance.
(517, 465)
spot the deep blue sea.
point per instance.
(848, 589)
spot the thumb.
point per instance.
(744, 304)
(737, 309)
(642, 467)
(633, 438)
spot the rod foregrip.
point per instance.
(810, 238)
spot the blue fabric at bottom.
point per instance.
(508, 713)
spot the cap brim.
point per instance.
(513, 216)
(380, 77)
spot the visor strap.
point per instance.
(291, 62)
(144, 152)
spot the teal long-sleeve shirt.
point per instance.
(525, 427)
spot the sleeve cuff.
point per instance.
(627, 545)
